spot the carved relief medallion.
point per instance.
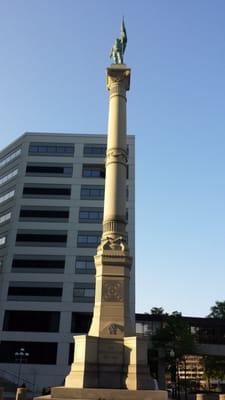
(112, 291)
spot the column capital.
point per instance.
(118, 74)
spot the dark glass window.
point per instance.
(34, 291)
(38, 265)
(40, 238)
(51, 148)
(93, 171)
(71, 353)
(83, 292)
(88, 239)
(49, 169)
(91, 214)
(81, 322)
(92, 192)
(94, 150)
(85, 265)
(44, 214)
(39, 352)
(31, 321)
(31, 191)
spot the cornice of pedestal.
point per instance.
(118, 74)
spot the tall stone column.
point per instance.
(112, 317)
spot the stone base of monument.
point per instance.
(63, 393)
(110, 363)
(108, 369)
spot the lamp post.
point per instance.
(20, 357)
(176, 373)
(173, 375)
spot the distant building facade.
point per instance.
(210, 341)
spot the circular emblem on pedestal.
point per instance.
(112, 291)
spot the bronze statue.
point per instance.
(119, 46)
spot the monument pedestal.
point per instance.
(110, 363)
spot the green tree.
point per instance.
(214, 368)
(218, 310)
(176, 341)
(157, 311)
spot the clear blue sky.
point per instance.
(53, 56)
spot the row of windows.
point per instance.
(92, 192)
(6, 160)
(47, 191)
(97, 150)
(46, 291)
(38, 264)
(6, 178)
(31, 321)
(35, 291)
(39, 352)
(2, 240)
(50, 264)
(93, 171)
(50, 169)
(61, 149)
(51, 149)
(43, 321)
(86, 239)
(85, 264)
(7, 196)
(86, 215)
(36, 238)
(88, 171)
(5, 217)
(87, 192)
(91, 214)
(43, 214)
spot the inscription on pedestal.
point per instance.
(113, 291)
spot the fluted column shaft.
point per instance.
(114, 222)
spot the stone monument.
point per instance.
(110, 362)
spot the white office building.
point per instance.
(51, 208)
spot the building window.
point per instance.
(49, 238)
(6, 178)
(35, 291)
(55, 149)
(49, 170)
(31, 321)
(39, 352)
(91, 214)
(92, 192)
(7, 196)
(6, 160)
(5, 217)
(93, 171)
(81, 322)
(2, 240)
(43, 214)
(84, 265)
(88, 239)
(38, 264)
(83, 292)
(94, 150)
(47, 191)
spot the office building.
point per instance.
(51, 208)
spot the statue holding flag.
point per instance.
(119, 46)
